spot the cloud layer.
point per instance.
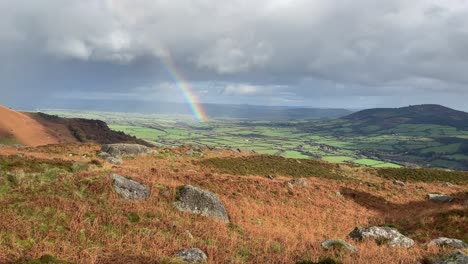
(263, 51)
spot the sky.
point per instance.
(315, 53)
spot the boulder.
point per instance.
(236, 150)
(400, 183)
(299, 181)
(337, 244)
(123, 150)
(440, 198)
(192, 255)
(448, 242)
(103, 155)
(113, 160)
(197, 201)
(458, 257)
(129, 189)
(448, 184)
(387, 235)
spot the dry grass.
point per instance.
(76, 216)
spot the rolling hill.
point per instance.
(36, 129)
(386, 118)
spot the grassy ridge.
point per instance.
(424, 175)
(272, 165)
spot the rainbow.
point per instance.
(185, 87)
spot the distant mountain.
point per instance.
(36, 129)
(386, 118)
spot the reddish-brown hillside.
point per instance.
(37, 129)
(24, 129)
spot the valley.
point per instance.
(367, 143)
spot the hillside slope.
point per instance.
(37, 129)
(21, 128)
(66, 206)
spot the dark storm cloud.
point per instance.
(320, 53)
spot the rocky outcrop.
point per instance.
(337, 244)
(129, 189)
(197, 201)
(458, 257)
(400, 183)
(113, 160)
(192, 255)
(448, 242)
(385, 235)
(300, 181)
(447, 184)
(439, 198)
(123, 150)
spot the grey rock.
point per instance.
(113, 160)
(337, 244)
(244, 150)
(300, 181)
(382, 234)
(447, 184)
(189, 235)
(192, 255)
(440, 198)
(129, 189)
(289, 185)
(448, 242)
(397, 182)
(338, 194)
(236, 150)
(198, 201)
(190, 152)
(271, 177)
(458, 257)
(123, 150)
(103, 155)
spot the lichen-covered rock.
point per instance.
(440, 198)
(299, 181)
(337, 244)
(448, 242)
(197, 201)
(400, 183)
(113, 160)
(122, 150)
(103, 155)
(458, 257)
(129, 189)
(447, 184)
(192, 255)
(386, 235)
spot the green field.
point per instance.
(333, 141)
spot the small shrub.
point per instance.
(326, 260)
(133, 218)
(46, 259)
(276, 247)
